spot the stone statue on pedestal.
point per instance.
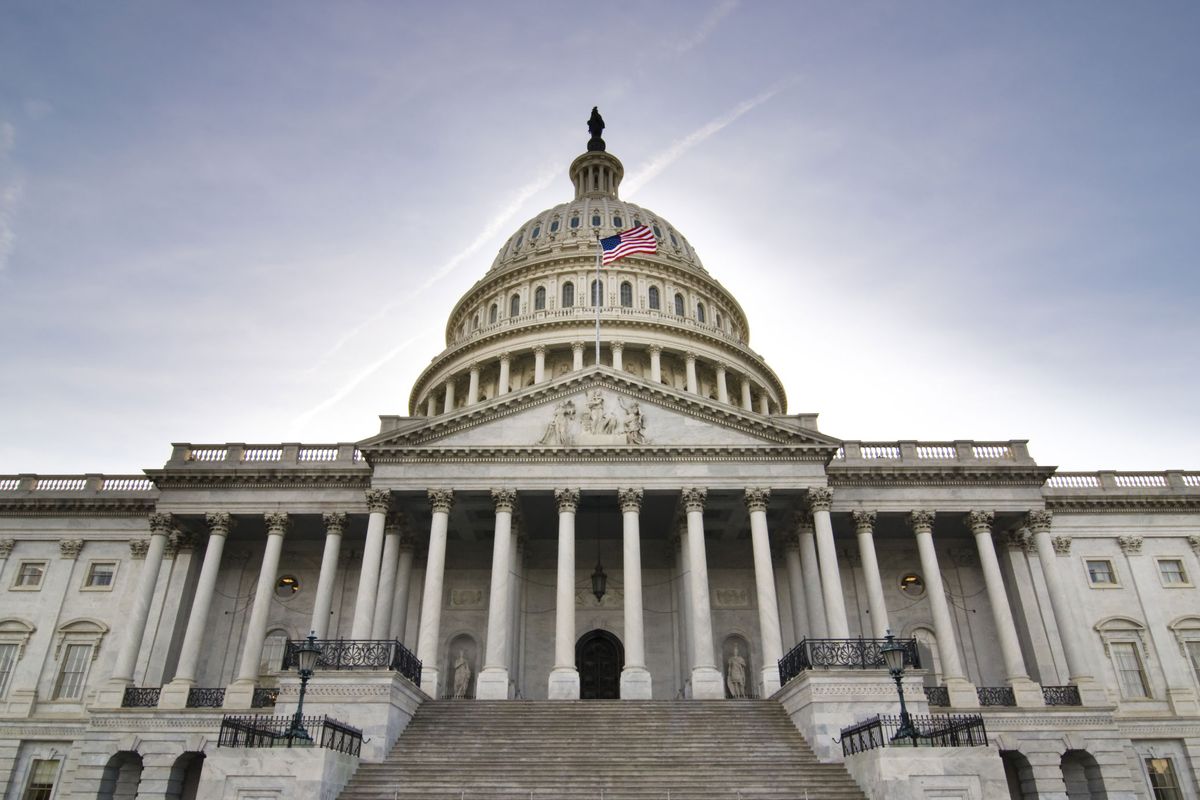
(462, 675)
(735, 674)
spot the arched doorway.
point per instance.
(599, 657)
(121, 777)
(184, 780)
(1081, 774)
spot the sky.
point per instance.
(248, 222)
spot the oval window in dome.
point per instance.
(674, 241)
(574, 222)
(595, 220)
(517, 244)
(536, 232)
(616, 222)
(554, 226)
(657, 233)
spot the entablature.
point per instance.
(91, 494)
(1109, 491)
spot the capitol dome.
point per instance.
(532, 316)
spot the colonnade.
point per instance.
(809, 555)
(446, 400)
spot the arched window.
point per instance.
(626, 294)
(657, 232)
(517, 244)
(597, 293)
(514, 305)
(678, 305)
(568, 295)
(493, 314)
(574, 222)
(595, 220)
(539, 298)
(700, 312)
(475, 322)
(554, 225)
(654, 303)
(272, 652)
(718, 316)
(674, 241)
(616, 222)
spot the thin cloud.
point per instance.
(350, 385)
(707, 26)
(494, 226)
(673, 153)
(10, 195)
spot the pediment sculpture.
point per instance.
(597, 424)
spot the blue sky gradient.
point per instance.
(249, 221)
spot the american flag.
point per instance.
(635, 240)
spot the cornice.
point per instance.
(940, 475)
(66, 506)
(558, 455)
(1122, 503)
(241, 478)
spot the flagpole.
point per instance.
(598, 296)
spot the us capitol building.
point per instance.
(545, 530)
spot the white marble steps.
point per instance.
(630, 750)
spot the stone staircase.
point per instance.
(627, 750)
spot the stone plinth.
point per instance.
(917, 773)
(823, 702)
(232, 773)
(381, 704)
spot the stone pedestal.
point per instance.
(707, 684)
(239, 695)
(1092, 693)
(110, 695)
(770, 680)
(564, 684)
(174, 694)
(962, 693)
(1028, 693)
(635, 683)
(253, 772)
(492, 684)
(917, 773)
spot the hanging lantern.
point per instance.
(599, 581)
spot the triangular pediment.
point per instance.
(600, 409)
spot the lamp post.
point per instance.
(893, 656)
(306, 660)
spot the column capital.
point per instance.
(379, 501)
(474, 367)
(820, 498)
(180, 541)
(161, 524)
(70, 548)
(1130, 545)
(655, 349)
(504, 499)
(138, 548)
(616, 345)
(1193, 541)
(577, 346)
(1038, 521)
(220, 523)
(689, 356)
(694, 498)
(980, 521)
(721, 366)
(1061, 545)
(630, 499)
(921, 520)
(278, 523)
(1018, 539)
(335, 522)
(864, 521)
(757, 498)
(6, 547)
(566, 499)
(505, 356)
(394, 524)
(539, 349)
(441, 499)
(802, 521)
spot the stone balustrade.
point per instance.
(587, 313)
(1148, 483)
(909, 453)
(300, 456)
(92, 484)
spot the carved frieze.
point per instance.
(594, 422)
(614, 598)
(730, 598)
(466, 598)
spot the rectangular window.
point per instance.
(1193, 653)
(1162, 779)
(1129, 670)
(41, 780)
(74, 669)
(1171, 572)
(100, 575)
(8, 665)
(30, 575)
(1100, 572)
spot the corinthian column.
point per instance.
(618, 351)
(473, 385)
(864, 526)
(174, 694)
(656, 363)
(381, 620)
(795, 573)
(722, 385)
(962, 693)
(564, 678)
(335, 526)
(379, 502)
(505, 361)
(428, 641)
(539, 363)
(404, 570)
(820, 500)
(492, 683)
(239, 693)
(449, 394)
(764, 581)
(689, 360)
(707, 683)
(635, 678)
(814, 601)
(747, 402)
(576, 356)
(1027, 692)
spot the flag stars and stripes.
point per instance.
(635, 240)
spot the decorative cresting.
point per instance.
(864, 521)
(1061, 545)
(138, 548)
(441, 500)
(1130, 545)
(694, 499)
(335, 522)
(278, 523)
(566, 499)
(70, 548)
(504, 499)
(379, 501)
(921, 521)
(630, 499)
(820, 498)
(757, 499)
(220, 523)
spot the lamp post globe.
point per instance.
(306, 661)
(893, 657)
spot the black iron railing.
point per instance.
(264, 698)
(930, 730)
(360, 654)
(996, 696)
(206, 697)
(141, 696)
(1061, 695)
(844, 653)
(264, 731)
(937, 695)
